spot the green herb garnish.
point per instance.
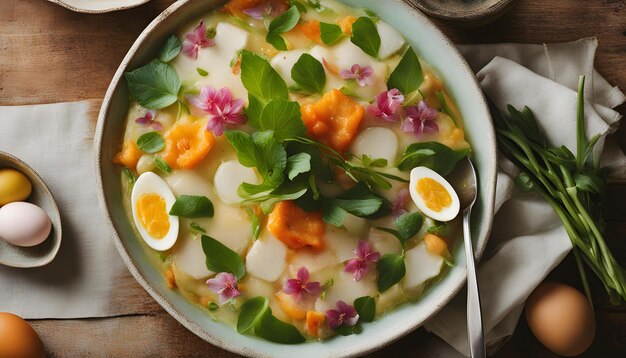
(151, 142)
(256, 317)
(391, 270)
(220, 258)
(407, 76)
(171, 49)
(433, 155)
(330, 33)
(202, 72)
(365, 36)
(445, 107)
(197, 227)
(308, 73)
(260, 78)
(213, 306)
(298, 164)
(366, 308)
(154, 85)
(283, 23)
(190, 206)
(130, 177)
(162, 165)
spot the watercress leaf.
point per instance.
(191, 206)
(330, 33)
(298, 164)
(275, 330)
(202, 72)
(333, 214)
(162, 165)
(292, 191)
(130, 177)
(408, 224)
(433, 155)
(260, 78)
(272, 154)
(245, 148)
(394, 233)
(319, 167)
(286, 21)
(407, 76)
(154, 85)
(348, 330)
(171, 49)
(309, 74)
(256, 226)
(365, 36)
(251, 312)
(197, 227)
(151, 142)
(276, 40)
(282, 117)
(366, 308)
(360, 207)
(220, 258)
(391, 270)
(254, 109)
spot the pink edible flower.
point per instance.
(148, 120)
(344, 314)
(196, 40)
(387, 104)
(225, 285)
(420, 119)
(267, 9)
(360, 74)
(359, 265)
(221, 106)
(399, 204)
(300, 285)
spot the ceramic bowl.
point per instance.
(98, 6)
(430, 44)
(465, 12)
(44, 253)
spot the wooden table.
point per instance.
(49, 54)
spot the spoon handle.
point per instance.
(474, 313)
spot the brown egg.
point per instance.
(561, 318)
(18, 339)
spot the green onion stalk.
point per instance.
(573, 185)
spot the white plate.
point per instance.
(98, 6)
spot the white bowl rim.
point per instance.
(181, 317)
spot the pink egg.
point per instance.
(24, 224)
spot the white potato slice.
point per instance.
(231, 226)
(347, 290)
(229, 177)
(312, 260)
(266, 258)
(188, 182)
(341, 242)
(421, 265)
(283, 63)
(229, 39)
(391, 40)
(355, 225)
(384, 242)
(377, 142)
(189, 258)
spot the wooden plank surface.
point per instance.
(49, 54)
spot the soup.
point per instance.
(284, 166)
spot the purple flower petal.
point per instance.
(299, 285)
(221, 107)
(420, 119)
(225, 285)
(343, 314)
(196, 40)
(360, 74)
(386, 105)
(365, 256)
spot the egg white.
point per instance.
(150, 183)
(446, 213)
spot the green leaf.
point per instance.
(446, 108)
(254, 109)
(154, 85)
(283, 23)
(282, 117)
(245, 148)
(348, 330)
(309, 74)
(330, 33)
(260, 79)
(366, 308)
(251, 312)
(524, 182)
(190, 206)
(220, 258)
(130, 177)
(407, 76)
(195, 226)
(202, 72)
(433, 155)
(360, 207)
(333, 214)
(291, 192)
(151, 142)
(391, 270)
(162, 165)
(408, 224)
(256, 226)
(298, 164)
(171, 49)
(275, 330)
(439, 228)
(365, 35)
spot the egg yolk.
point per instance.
(153, 215)
(434, 195)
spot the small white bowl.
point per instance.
(44, 253)
(98, 6)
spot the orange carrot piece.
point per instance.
(311, 29)
(186, 144)
(436, 245)
(314, 321)
(346, 24)
(170, 278)
(129, 156)
(333, 120)
(295, 227)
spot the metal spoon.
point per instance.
(463, 180)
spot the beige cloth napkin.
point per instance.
(528, 240)
(87, 278)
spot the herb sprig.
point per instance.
(572, 185)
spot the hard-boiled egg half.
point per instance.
(433, 195)
(152, 200)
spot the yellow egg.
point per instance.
(18, 338)
(433, 195)
(561, 318)
(14, 186)
(152, 200)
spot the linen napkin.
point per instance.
(86, 277)
(528, 240)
